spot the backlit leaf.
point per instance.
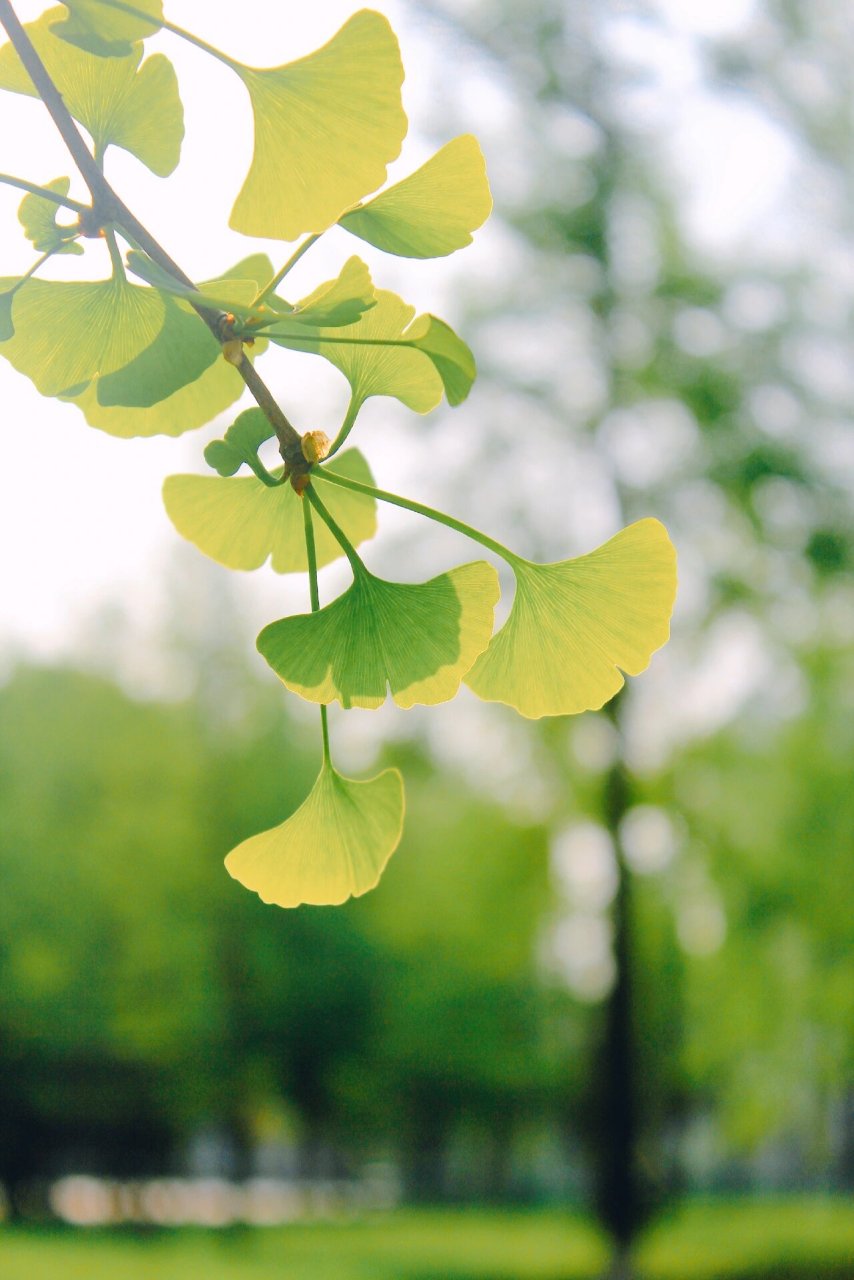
(240, 522)
(7, 328)
(104, 31)
(240, 444)
(326, 128)
(119, 104)
(575, 626)
(433, 211)
(181, 352)
(449, 354)
(38, 218)
(227, 293)
(399, 371)
(337, 302)
(67, 333)
(418, 640)
(334, 847)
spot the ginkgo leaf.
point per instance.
(187, 408)
(384, 369)
(240, 522)
(181, 352)
(336, 846)
(226, 293)
(240, 444)
(104, 31)
(67, 333)
(120, 103)
(337, 302)
(326, 128)
(38, 218)
(432, 212)
(418, 640)
(449, 354)
(575, 626)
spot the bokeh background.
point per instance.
(603, 1000)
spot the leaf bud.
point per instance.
(315, 445)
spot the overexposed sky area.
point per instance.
(81, 522)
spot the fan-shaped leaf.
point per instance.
(239, 522)
(104, 31)
(334, 847)
(180, 354)
(67, 333)
(575, 624)
(240, 444)
(337, 302)
(449, 354)
(418, 640)
(326, 128)
(38, 218)
(119, 104)
(228, 293)
(433, 211)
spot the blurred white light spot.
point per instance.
(585, 866)
(82, 1201)
(581, 948)
(649, 838)
(594, 743)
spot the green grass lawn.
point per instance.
(780, 1240)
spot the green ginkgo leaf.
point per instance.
(38, 218)
(432, 212)
(337, 302)
(326, 128)
(386, 354)
(240, 444)
(418, 640)
(7, 328)
(227, 293)
(180, 354)
(336, 846)
(120, 103)
(187, 408)
(106, 32)
(240, 522)
(448, 353)
(67, 333)
(575, 626)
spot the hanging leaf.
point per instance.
(418, 640)
(334, 847)
(228, 293)
(577, 625)
(432, 212)
(67, 333)
(106, 32)
(119, 104)
(337, 302)
(390, 353)
(240, 523)
(326, 128)
(193, 404)
(240, 444)
(38, 218)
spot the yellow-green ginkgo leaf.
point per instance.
(432, 212)
(577, 625)
(7, 328)
(67, 333)
(107, 32)
(337, 302)
(241, 523)
(326, 128)
(418, 640)
(120, 103)
(375, 370)
(193, 404)
(336, 846)
(180, 354)
(38, 218)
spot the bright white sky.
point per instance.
(80, 515)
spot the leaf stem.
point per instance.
(264, 293)
(347, 425)
(175, 30)
(338, 534)
(115, 255)
(109, 207)
(314, 592)
(39, 262)
(35, 190)
(321, 473)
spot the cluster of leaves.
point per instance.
(137, 360)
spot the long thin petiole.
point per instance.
(175, 30)
(346, 426)
(32, 271)
(35, 190)
(280, 275)
(338, 534)
(314, 591)
(321, 473)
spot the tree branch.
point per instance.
(108, 207)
